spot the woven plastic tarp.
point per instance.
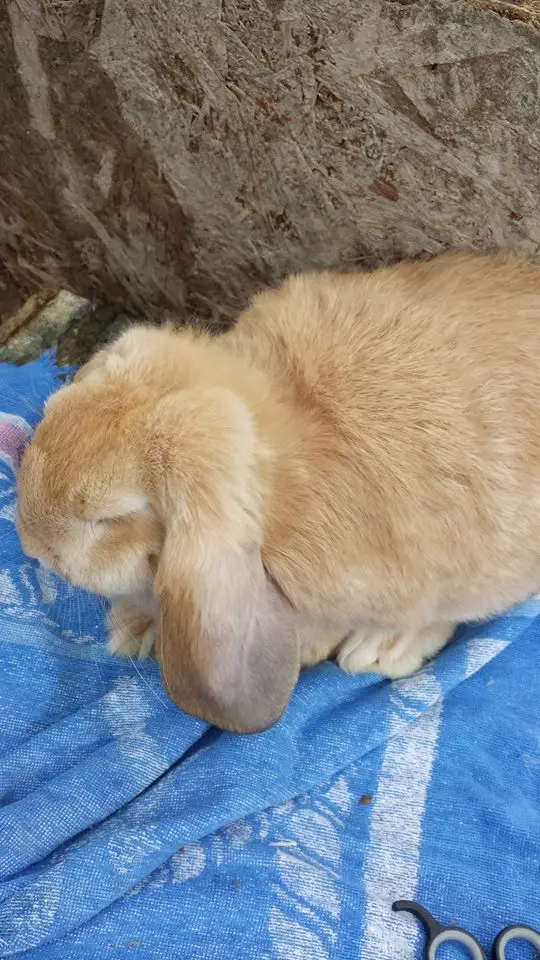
(129, 829)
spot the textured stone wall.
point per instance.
(177, 154)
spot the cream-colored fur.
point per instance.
(354, 468)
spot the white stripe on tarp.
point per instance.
(480, 650)
(392, 860)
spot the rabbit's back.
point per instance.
(358, 340)
(415, 462)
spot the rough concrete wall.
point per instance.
(174, 154)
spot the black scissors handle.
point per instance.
(437, 934)
(517, 932)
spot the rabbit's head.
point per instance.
(143, 477)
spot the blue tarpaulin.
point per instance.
(129, 829)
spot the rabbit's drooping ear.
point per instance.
(226, 642)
